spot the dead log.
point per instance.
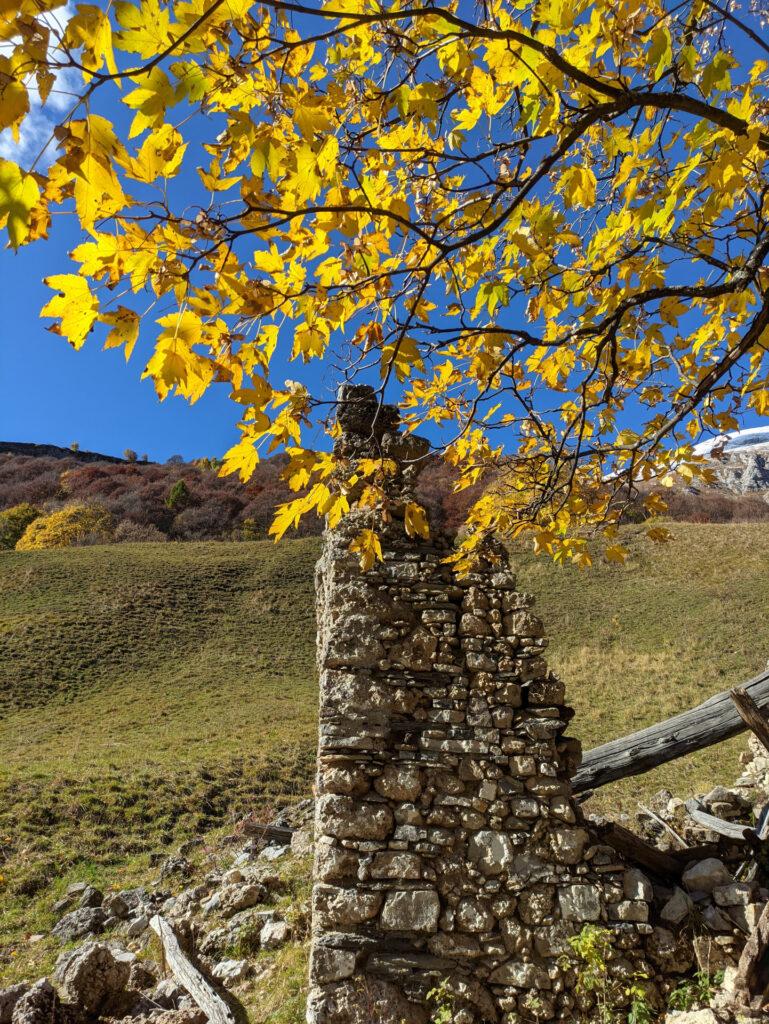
(269, 833)
(189, 977)
(711, 722)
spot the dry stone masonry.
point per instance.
(448, 847)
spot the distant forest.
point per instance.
(132, 500)
(181, 500)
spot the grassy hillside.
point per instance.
(148, 692)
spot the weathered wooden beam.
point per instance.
(711, 722)
(730, 829)
(185, 972)
(637, 850)
(751, 714)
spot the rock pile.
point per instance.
(113, 976)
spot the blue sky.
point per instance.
(52, 394)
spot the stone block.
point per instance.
(411, 910)
(580, 902)
(345, 818)
(396, 864)
(334, 907)
(491, 852)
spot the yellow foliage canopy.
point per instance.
(541, 228)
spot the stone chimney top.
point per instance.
(359, 412)
(371, 430)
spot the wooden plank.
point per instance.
(637, 850)
(201, 990)
(731, 829)
(751, 715)
(270, 833)
(714, 720)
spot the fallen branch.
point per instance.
(201, 990)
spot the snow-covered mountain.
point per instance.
(740, 458)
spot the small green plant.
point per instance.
(593, 950)
(534, 1005)
(592, 947)
(694, 991)
(442, 1002)
(178, 497)
(639, 1011)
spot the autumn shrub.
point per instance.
(72, 525)
(129, 532)
(206, 522)
(14, 521)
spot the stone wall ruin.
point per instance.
(448, 847)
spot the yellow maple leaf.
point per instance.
(18, 194)
(304, 182)
(616, 553)
(160, 155)
(242, 458)
(90, 30)
(14, 99)
(125, 329)
(416, 521)
(74, 305)
(368, 547)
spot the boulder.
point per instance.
(115, 906)
(94, 976)
(677, 908)
(706, 875)
(241, 896)
(272, 853)
(230, 972)
(143, 975)
(186, 1015)
(79, 924)
(91, 897)
(167, 994)
(39, 1005)
(274, 934)
(136, 926)
(9, 997)
(71, 895)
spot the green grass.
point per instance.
(152, 692)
